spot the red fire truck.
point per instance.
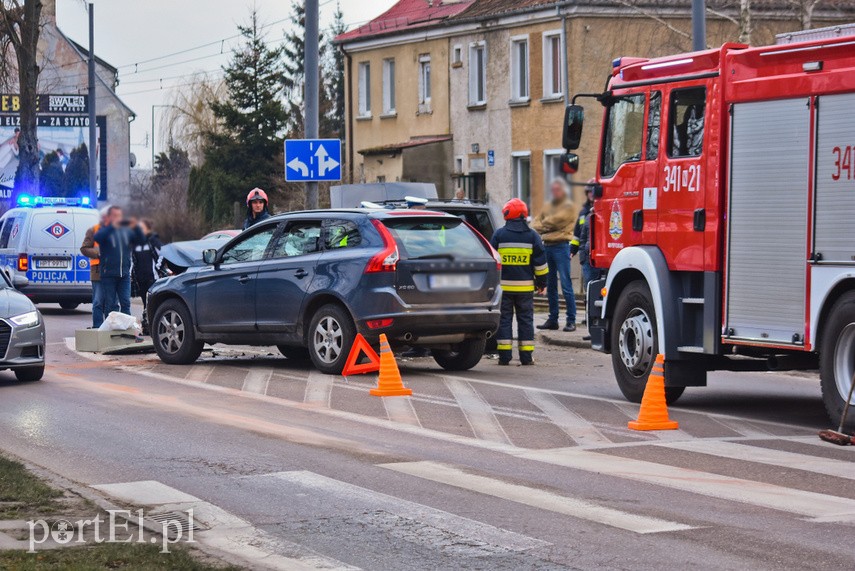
(725, 215)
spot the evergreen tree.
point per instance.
(52, 177)
(76, 180)
(174, 164)
(245, 151)
(333, 122)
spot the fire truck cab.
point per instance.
(725, 215)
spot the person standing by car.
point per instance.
(524, 269)
(116, 240)
(90, 249)
(579, 244)
(256, 207)
(146, 267)
(555, 226)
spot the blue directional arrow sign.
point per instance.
(309, 160)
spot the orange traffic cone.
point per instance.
(654, 411)
(389, 383)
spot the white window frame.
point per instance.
(516, 186)
(424, 83)
(520, 86)
(553, 91)
(364, 89)
(548, 156)
(475, 76)
(457, 54)
(389, 94)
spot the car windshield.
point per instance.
(435, 238)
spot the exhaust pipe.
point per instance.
(408, 336)
(490, 335)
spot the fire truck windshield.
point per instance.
(624, 133)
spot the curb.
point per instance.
(563, 340)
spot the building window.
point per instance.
(551, 167)
(457, 56)
(364, 79)
(553, 65)
(424, 83)
(477, 74)
(519, 68)
(388, 86)
(522, 176)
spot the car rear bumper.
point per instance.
(434, 326)
(58, 294)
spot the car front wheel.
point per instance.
(68, 305)
(173, 334)
(463, 357)
(330, 337)
(30, 374)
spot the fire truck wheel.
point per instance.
(837, 360)
(635, 343)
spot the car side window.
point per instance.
(341, 234)
(6, 232)
(686, 118)
(251, 249)
(298, 239)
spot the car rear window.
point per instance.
(433, 238)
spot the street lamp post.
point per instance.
(153, 107)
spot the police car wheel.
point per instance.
(837, 360)
(635, 342)
(68, 306)
(30, 374)
(330, 336)
(463, 357)
(173, 335)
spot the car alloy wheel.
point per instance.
(170, 332)
(328, 339)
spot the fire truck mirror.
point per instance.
(574, 116)
(570, 163)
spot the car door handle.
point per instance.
(301, 273)
(244, 279)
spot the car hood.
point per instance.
(14, 303)
(183, 255)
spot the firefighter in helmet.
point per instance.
(580, 244)
(256, 207)
(524, 270)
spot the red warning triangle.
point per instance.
(361, 347)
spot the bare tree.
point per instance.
(189, 117)
(804, 12)
(20, 26)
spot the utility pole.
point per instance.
(699, 25)
(310, 120)
(93, 128)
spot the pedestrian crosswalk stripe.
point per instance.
(534, 497)
(477, 411)
(318, 389)
(810, 504)
(339, 493)
(256, 381)
(742, 428)
(199, 373)
(780, 458)
(400, 409)
(576, 427)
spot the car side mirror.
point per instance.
(574, 116)
(19, 281)
(209, 256)
(570, 163)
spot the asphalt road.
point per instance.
(495, 468)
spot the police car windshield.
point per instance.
(446, 238)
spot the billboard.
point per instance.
(63, 125)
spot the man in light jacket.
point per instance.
(90, 249)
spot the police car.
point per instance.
(40, 239)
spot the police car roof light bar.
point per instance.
(26, 200)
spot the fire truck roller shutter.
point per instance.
(767, 216)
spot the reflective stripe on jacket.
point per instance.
(524, 266)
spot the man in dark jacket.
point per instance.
(146, 266)
(256, 207)
(580, 244)
(524, 269)
(116, 241)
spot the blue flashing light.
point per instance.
(84, 201)
(25, 199)
(616, 62)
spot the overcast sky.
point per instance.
(128, 32)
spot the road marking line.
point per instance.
(473, 532)
(810, 504)
(200, 373)
(480, 415)
(742, 428)
(256, 381)
(533, 497)
(400, 409)
(576, 427)
(780, 458)
(318, 389)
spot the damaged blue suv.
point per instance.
(308, 282)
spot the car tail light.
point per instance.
(387, 259)
(23, 263)
(379, 323)
(487, 245)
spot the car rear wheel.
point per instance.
(68, 306)
(173, 334)
(463, 357)
(837, 360)
(30, 374)
(292, 353)
(330, 337)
